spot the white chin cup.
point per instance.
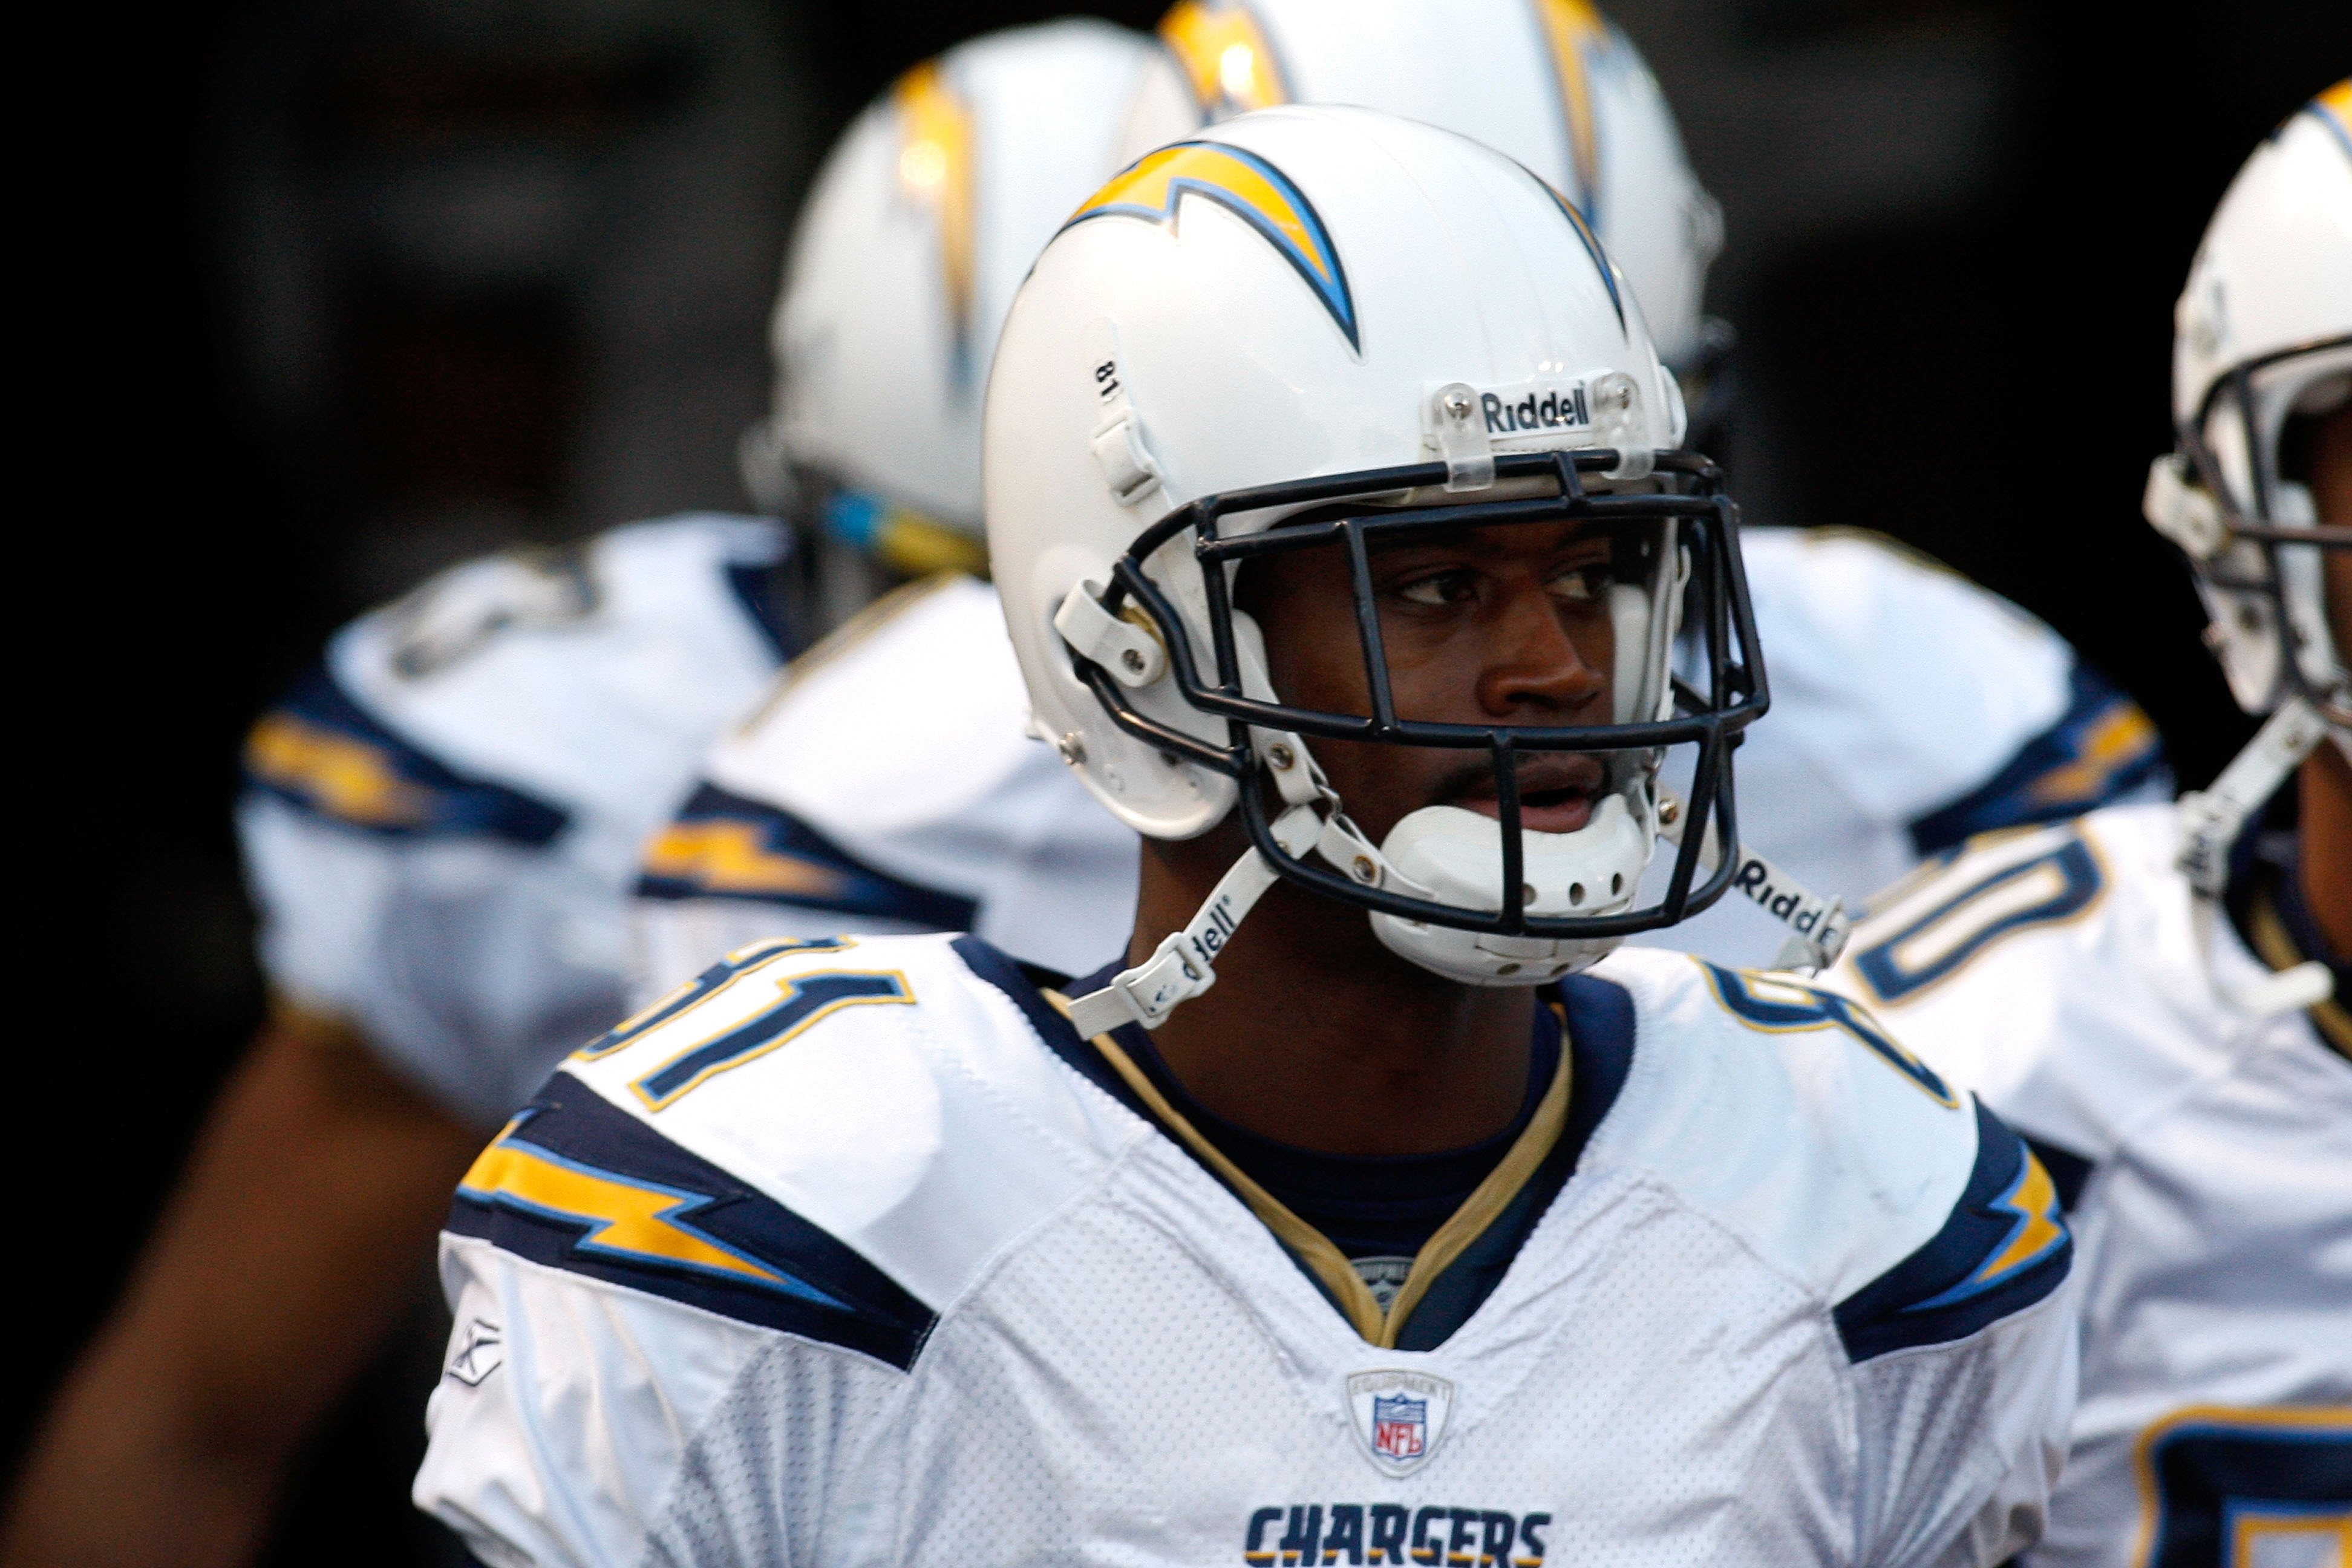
(1455, 856)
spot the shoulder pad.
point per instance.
(322, 753)
(879, 1110)
(954, 724)
(592, 676)
(2102, 749)
(725, 846)
(2056, 971)
(1919, 684)
(1796, 1119)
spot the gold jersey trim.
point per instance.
(1321, 1256)
(2275, 944)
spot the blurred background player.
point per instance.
(949, 1268)
(441, 826)
(1910, 708)
(2157, 998)
(889, 782)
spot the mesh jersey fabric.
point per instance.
(2061, 972)
(1076, 1344)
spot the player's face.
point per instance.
(1502, 625)
(2331, 489)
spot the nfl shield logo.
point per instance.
(1399, 1427)
(1398, 1416)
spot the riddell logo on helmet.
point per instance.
(1534, 408)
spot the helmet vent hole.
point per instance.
(1616, 883)
(1576, 893)
(1507, 969)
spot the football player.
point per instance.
(1396, 1221)
(440, 829)
(888, 784)
(1910, 708)
(2157, 998)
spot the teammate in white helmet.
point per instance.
(1432, 1230)
(888, 782)
(439, 827)
(2157, 997)
(1911, 707)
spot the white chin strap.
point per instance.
(2210, 821)
(1818, 927)
(1184, 963)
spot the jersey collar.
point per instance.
(1459, 1266)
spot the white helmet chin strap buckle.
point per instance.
(2211, 821)
(1184, 965)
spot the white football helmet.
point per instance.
(1551, 83)
(2262, 334)
(920, 226)
(2263, 339)
(1328, 328)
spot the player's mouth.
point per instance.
(1556, 791)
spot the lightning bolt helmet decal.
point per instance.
(1154, 186)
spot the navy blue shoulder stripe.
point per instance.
(2102, 748)
(322, 751)
(2069, 1172)
(578, 1183)
(2004, 1247)
(723, 845)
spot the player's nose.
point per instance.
(1536, 667)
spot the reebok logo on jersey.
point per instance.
(480, 1350)
(1311, 1535)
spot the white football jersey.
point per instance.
(2207, 1155)
(890, 785)
(1910, 710)
(853, 1252)
(441, 826)
(890, 788)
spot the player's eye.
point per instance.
(1579, 584)
(1449, 587)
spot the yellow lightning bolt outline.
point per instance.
(2033, 1198)
(727, 858)
(347, 777)
(2122, 735)
(627, 1218)
(1572, 27)
(1224, 55)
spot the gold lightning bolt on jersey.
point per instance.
(853, 1251)
(2204, 1149)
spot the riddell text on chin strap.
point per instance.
(1818, 927)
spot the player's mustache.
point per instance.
(1541, 773)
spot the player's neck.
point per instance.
(1316, 1036)
(2326, 834)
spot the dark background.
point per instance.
(332, 294)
